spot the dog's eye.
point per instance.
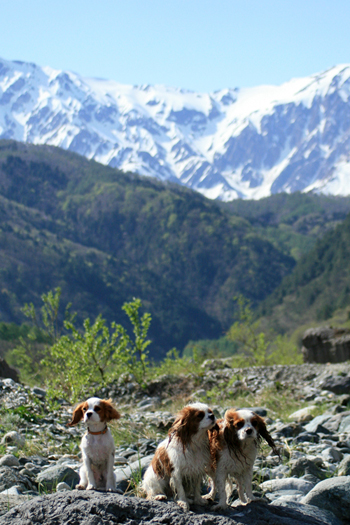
(254, 423)
(97, 409)
(240, 424)
(200, 415)
(84, 409)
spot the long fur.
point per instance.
(181, 460)
(234, 447)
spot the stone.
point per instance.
(316, 423)
(13, 438)
(304, 414)
(276, 485)
(9, 460)
(344, 467)
(331, 455)
(323, 516)
(337, 384)
(344, 425)
(95, 508)
(10, 477)
(303, 466)
(332, 494)
(62, 486)
(326, 345)
(50, 477)
(8, 501)
(7, 371)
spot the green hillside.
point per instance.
(105, 236)
(292, 222)
(318, 286)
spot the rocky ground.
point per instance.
(307, 410)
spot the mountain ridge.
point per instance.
(231, 143)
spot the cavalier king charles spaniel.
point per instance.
(182, 459)
(234, 445)
(97, 445)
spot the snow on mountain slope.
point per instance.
(232, 143)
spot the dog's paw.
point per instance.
(91, 487)
(160, 497)
(201, 501)
(80, 487)
(184, 505)
(219, 506)
(208, 496)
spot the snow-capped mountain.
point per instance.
(232, 143)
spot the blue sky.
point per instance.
(201, 45)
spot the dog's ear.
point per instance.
(109, 412)
(186, 425)
(78, 415)
(231, 437)
(264, 433)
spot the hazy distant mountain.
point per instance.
(232, 143)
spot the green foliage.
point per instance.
(97, 355)
(256, 348)
(173, 364)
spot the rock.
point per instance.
(326, 345)
(10, 477)
(303, 466)
(62, 486)
(332, 455)
(337, 384)
(344, 425)
(135, 470)
(332, 494)
(7, 371)
(324, 517)
(16, 490)
(275, 485)
(50, 477)
(39, 392)
(304, 414)
(7, 501)
(95, 508)
(316, 423)
(9, 461)
(13, 438)
(344, 467)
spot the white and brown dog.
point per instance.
(97, 445)
(234, 444)
(181, 460)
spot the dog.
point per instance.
(181, 460)
(97, 445)
(234, 445)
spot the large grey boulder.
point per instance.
(95, 508)
(332, 494)
(49, 478)
(326, 345)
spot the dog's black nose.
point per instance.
(211, 416)
(89, 414)
(249, 430)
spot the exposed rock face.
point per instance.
(93, 508)
(326, 345)
(7, 371)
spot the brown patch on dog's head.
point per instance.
(186, 425)
(232, 423)
(107, 411)
(78, 414)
